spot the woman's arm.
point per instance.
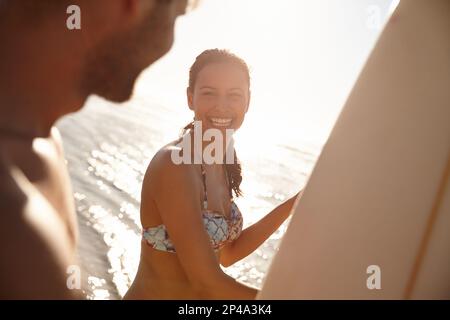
(177, 199)
(255, 235)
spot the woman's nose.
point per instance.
(222, 102)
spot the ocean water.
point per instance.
(108, 148)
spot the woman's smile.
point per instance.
(220, 122)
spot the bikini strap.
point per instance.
(205, 198)
(227, 177)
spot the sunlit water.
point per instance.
(108, 148)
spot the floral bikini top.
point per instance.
(220, 229)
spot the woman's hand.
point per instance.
(255, 235)
(294, 199)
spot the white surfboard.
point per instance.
(379, 195)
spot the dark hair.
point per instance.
(215, 56)
(233, 170)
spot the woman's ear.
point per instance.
(190, 98)
(249, 99)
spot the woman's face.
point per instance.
(221, 96)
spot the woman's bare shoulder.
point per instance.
(163, 170)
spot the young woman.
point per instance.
(190, 222)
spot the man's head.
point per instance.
(117, 40)
(144, 35)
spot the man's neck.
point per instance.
(30, 116)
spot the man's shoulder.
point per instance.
(56, 137)
(33, 252)
(21, 204)
(12, 197)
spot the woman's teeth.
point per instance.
(221, 122)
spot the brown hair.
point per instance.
(215, 56)
(233, 170)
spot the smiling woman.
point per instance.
(225, 82)
(219, 95)
(194, 203)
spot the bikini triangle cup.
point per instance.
(221, 230)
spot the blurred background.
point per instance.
(304, 55)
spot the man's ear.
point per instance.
(138, 8)
(131, 6)
(190, 98)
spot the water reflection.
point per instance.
(107, 169)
